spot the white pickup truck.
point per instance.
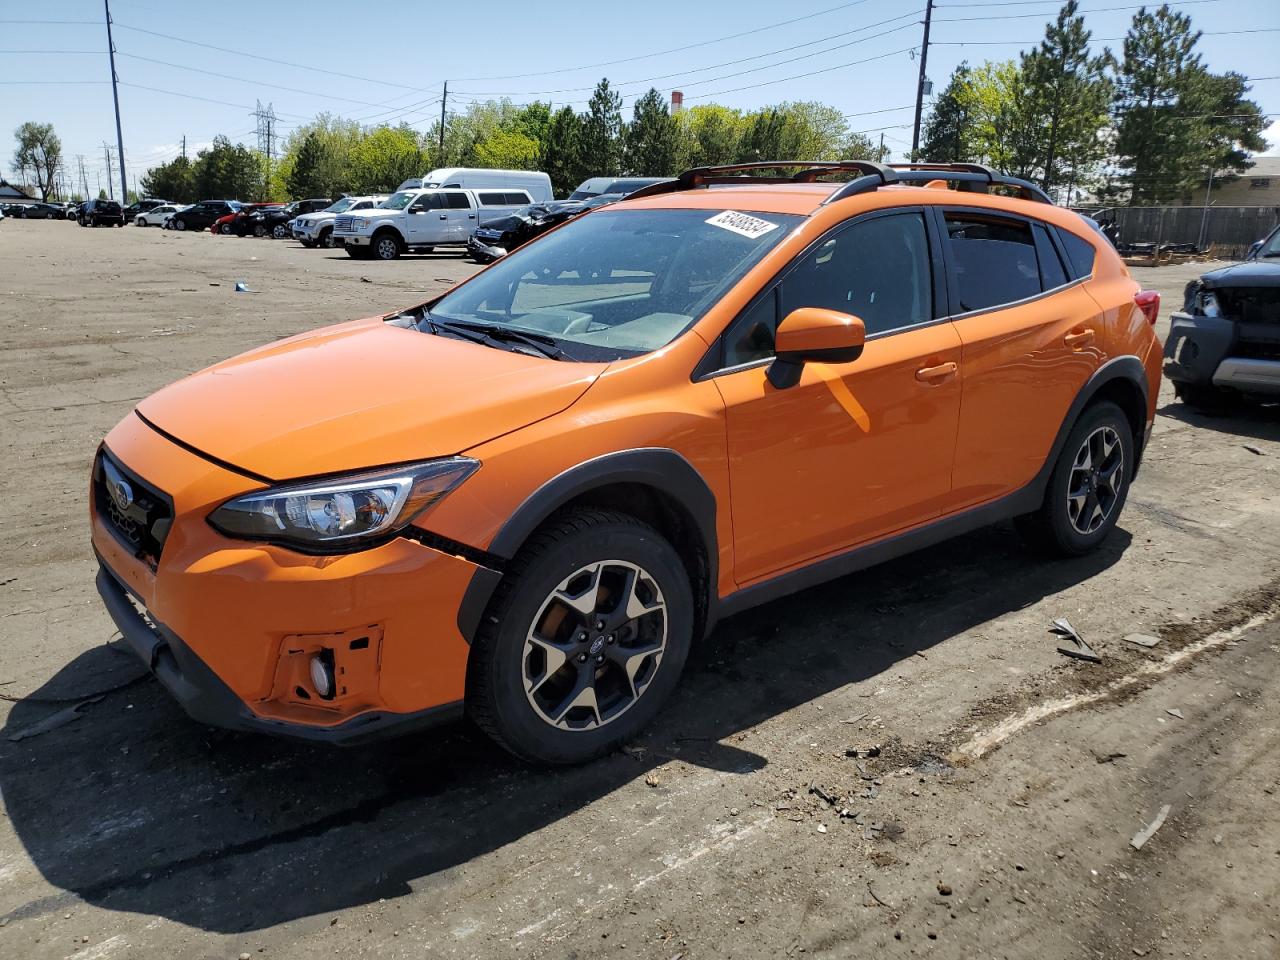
(422, 220)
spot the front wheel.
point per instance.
(280, 232)
(179, 225)
(1202, 396)
(1088, 486)
(584, 640)
(385, 247)
(326, 238)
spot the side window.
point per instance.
(457, 200)
(876, 269)
(1080, 252)
(518, 199)
(995, 260)
(488, 199)
(426, 201)
(1052, 275)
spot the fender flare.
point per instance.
(659, 468)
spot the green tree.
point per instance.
(304, 177)
(326, 171)
(601, 131)
(708, 135)
(1064, 106)
(947, 131)
(1174, 120)
(174, 181)
(652, 138)
(507, 150)
(380, 160)
(229, 171)
(39, 150)
(561, 156)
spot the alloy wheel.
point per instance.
(387, 248)
(1097, 478)
(595, 645)
(280, 232)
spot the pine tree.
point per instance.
(946, 132)
(304, 179)
(651, 138)
(601, 134)
(561, 155)
(1064, 105)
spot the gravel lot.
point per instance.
(988, 813)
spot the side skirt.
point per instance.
(1023, 501)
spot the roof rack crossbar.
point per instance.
(970, 177)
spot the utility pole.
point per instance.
(184, 146)
(444, 100)
(106, 153)
(84, 180)
(115, 95)
(924, 62)
(1204, 217)
(880, 154)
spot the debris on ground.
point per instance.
(860, 753)
(1146, 833)
(1081, 651)
(242, 287)
(365, 280)
(652, 780)
(1174, 712)
(53, 721)
(1109, 757)
(1141, 639)
(1252, 449)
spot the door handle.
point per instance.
(1079, 338)
(471, 216)
(444, 216)
(942, 371)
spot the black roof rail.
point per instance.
(970, 177)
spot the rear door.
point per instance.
(1031, 339)
(461, 215)
(854, 451)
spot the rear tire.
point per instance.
(1202, 396)
(1088, 487)
(584, 639)
(280, 232)
(179, 225)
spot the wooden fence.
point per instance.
(1224, 231)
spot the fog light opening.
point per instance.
(322, 674)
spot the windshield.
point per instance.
(1271, 248)
(339, 205)
(398, 201)
(618, 283)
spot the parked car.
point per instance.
(534, 182)
(202, 214)
(141, 206)
(316, 229)
(43, 211)
(156, 216)
(275, 222)
(100, 213)
(499, 237)
(423, 220)
(239, 221)
(533, 492)
(1224, 344)
(596, 186)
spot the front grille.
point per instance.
(342, 223)
(134, 511)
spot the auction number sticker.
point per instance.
(742, 223)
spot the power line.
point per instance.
(798, 76)
(1081, 11)
(989, 43)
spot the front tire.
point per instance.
(326, 238)
(281, 232)
(1202, 396)
(1088, 487)
(385, 247)
(583, 641)
(179, 225)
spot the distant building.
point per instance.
(11, 194)
(1259, 186)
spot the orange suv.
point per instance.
(527, 497)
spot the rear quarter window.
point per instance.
(1080, 254)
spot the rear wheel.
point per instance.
(385, 246)
(225, 229)
(259, 230)
(1088, 486)
(179, 225)
(1202, 396)
(280, 232)
(584, 640)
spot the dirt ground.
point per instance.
(986, 809)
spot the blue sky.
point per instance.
(394, 56)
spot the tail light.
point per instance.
(1148, 302)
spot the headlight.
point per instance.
(342, 512)
(359, 223)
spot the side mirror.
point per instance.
(813, 335)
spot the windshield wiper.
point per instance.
(491, 333)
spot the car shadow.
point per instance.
(134, 807)
(1260, 421)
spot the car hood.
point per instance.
(1251, 273)
(360, 395)
(374, 214)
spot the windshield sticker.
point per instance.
(742, 223)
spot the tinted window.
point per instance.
(492, 199)
(1079, 252)
(1052, 275)
(427, 201)
(877, 270)
(995, 260)
(517, 199)
(458, 201)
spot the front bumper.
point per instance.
(483, 252)
(230, 627)
(351, 239)
(1204, 350)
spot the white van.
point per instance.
(537, 183)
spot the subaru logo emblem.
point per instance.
(117, 487)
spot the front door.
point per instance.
(427, 220)
(854, 451)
